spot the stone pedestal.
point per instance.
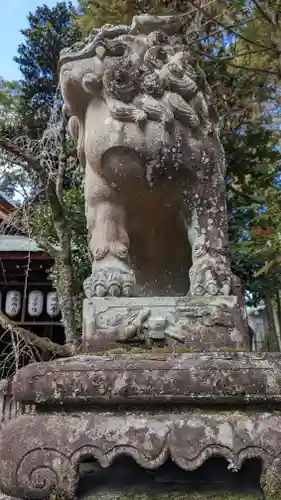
(195, 323)
(86, 408)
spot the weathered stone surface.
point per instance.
(116, 495)
(40, 454)
(202, 323)
(211, 378)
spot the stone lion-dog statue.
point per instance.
(147, 136)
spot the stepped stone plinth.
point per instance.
(151, 407)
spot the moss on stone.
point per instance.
(147, 353)
(232, 349)
(153, 495)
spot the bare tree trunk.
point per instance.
(66, 296)
(278, 303)
(273, 343)
(63, 255)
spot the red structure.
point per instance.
(26, 292)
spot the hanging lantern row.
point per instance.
(35, 304)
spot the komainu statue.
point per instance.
(147, 135)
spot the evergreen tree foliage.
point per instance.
(96, 13)
(49, 31)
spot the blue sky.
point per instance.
(12, 20)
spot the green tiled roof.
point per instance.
(11, 243)
(7, 198)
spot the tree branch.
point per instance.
(34, 166)
(225, 58)
(230, 28)
(247, 197)
(17, 151)
(46, 246)
(266, 268)
(62, 161)
(42, 343)
(264, 12)
(256, 70)
(237, 66)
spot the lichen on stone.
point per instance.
(153, 495)
(146, 353)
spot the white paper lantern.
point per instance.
(13, 303)
(35, 303)
(53, 307)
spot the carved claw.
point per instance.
(212, 287)
(114, 289)
(127, 290)
(100, 290)
(197, 289)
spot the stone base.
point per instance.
(165, 407)
(40, 454)
(191, 379)
(197, 323)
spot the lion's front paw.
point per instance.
(209, 276)
(113, 278)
